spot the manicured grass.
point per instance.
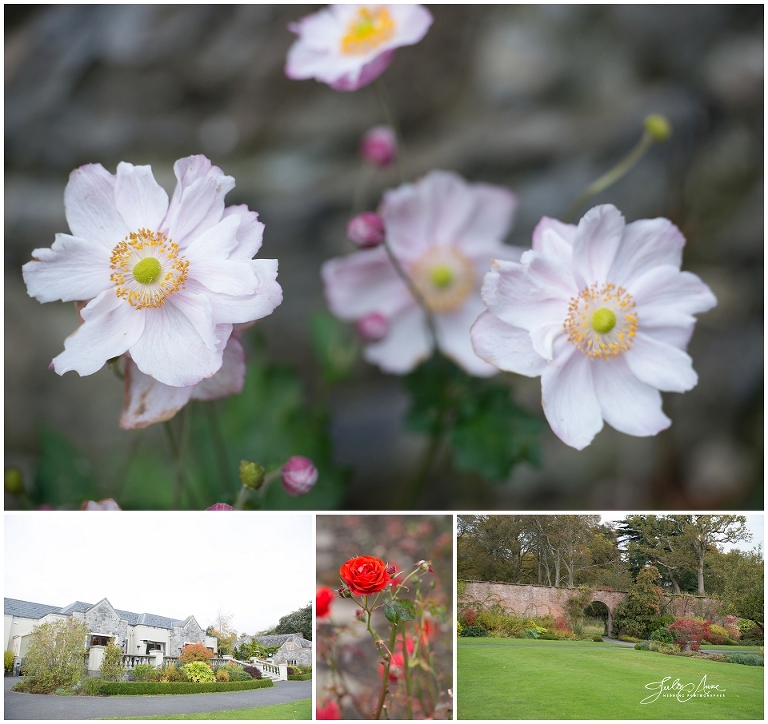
(530, 679)
(301, 709)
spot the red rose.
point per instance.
(323, 602)
(365, 575)
(331, 710)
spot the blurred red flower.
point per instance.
(323, 602)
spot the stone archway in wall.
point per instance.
(606, 602)
(597, 609)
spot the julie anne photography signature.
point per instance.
(680, 691)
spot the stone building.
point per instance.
(138, 634)
(294, 649)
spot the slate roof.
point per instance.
(27, 609)
(276, 640)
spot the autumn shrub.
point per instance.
(195, 652)
(253, 672)
(717, 635)
(731, 625)
(8, 659)
(171, 673)
(55, 657)
(469, 615)
(222, 674)
(689, 632)
(200, 672)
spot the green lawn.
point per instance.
(529, 679)
(301, 709)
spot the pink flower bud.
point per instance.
(366, 230)
(106, 504)
(220, 506)
(372, 327)
(379, 146)
(299, 475)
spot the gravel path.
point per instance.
(41, 706)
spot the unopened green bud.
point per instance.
(658, 127)
(251, 474)
(14, 483)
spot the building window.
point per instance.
(99, 640)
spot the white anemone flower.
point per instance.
(348, 46)
(166, 281)
(603, 313)
(444, 233)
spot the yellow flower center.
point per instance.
(601, 321)
(367, 31)
(147, 269)
(444, 278)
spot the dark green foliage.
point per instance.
(399, 609)
(64, 475)
(296, 622)
(140, 688)
(335, 346)
(235, 673)
(299, 677)
(639, 614)
(144, 672)
(746, 659)
(662, 635)
(488, 432)
(474, 631)
(597, 639)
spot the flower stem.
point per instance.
(386, 107)
(385, 678)
(406, 673)
(219, 445)
(242, 496)
(612, 176)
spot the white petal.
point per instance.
(595, 245)
(554, 238)
(408, 220)
(172, 351)
(250, 233)
(645, 245)
(148, 401)
(89, 203)
(197, 203)
(506, 347)
(406, 345)
(627, 404)
(364, 282)
(110, 328)
(266, 297)
(229, 379)
(665, 295)
(197, 309)
(140, 200)
(216, 242)
(453, 338)
(73, 269)
(661, 365)
(223, 276)
(569, 399)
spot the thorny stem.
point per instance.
(406, 673)
(612, 176)
(385, 678)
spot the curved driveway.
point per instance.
(42, 706)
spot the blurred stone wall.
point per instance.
(542, 99)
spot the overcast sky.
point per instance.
(256, 566)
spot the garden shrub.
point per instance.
(89, 686)
(550, 636)
(640, 613)
(299, 677)
(469, 615)
(140, 688)
(533, 633)
(171, 672)
(630, 639)
(662, 635)
(253, 672)
(222, 675)
(8, 659)
(731, 625)
(643, 646)
(199, 672)
(689, 632)
(144, 672)
(746, 659)
(112, 667)
(597, 639)
(195, 652)
(236, 673)
(475, 631)
(55, 658)
(717, 635)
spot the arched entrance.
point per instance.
(597, 609)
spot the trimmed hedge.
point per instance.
(139, 688)
(299, 677)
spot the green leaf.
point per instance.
(64, 474)
(335, 346)
(400, 609)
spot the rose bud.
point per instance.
(379, 146)
(220, 506)
(366, 230)
(299, 475)
(372, 327)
